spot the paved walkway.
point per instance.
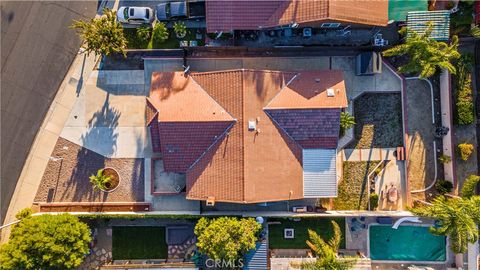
(367, 154)
(109, 115)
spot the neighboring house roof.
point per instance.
(222, 15)
(418, 21)
(220, 156)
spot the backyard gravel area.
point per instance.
(69, 176)
(378, 120)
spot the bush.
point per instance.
(445, 159)
(465, 150)
(46, 242)
(226, 238)
(24, 213)
(346, 121)
(144, 33)
(180, 29)
(443, 186)
(373, 201)
(469, 186)
(160, 33)
(464, 107)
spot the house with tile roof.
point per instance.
(231, 15)
(249, 136)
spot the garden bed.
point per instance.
(322, 226)
(353, 187)
(133, 42)
(138, 243)
(378, 120)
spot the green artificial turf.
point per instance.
(322, 226)
(130, 243)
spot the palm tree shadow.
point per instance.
(102, 134)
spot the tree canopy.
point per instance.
(425, 53)
(103, 35)
(326, 252)
(226, 238)
(458, 219)
(46, 242)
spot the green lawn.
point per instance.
(129, 243)
(352, 190)
(133, 42)
(322, 226)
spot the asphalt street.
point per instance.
(37, 49)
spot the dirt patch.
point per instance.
(114, 178)
(353, 189)
(66, 179)
(379, 121)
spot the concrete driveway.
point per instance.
(37, 48)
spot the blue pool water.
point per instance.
(407, 243)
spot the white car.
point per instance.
(135, 15)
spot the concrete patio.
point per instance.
(109, 115)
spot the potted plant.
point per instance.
(106, 179)
(180, 29)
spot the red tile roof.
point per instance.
(309, 90)
(310, 128)
(223, 159)
(228, 15)
(183, 143)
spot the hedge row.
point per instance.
(464, 105)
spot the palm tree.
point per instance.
(426, 54)
(458, 218)
(103, 35)
(469, 186)
(326, 252)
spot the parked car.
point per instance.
(135, 15)
(180, 10)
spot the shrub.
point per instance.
(465, 150)
(444, 186)
(226, 238)
(100, 180)
(444, 159)
(180, 29)
(160, 33)
(144, 33)
(46, 242)
(464, 107)
(373, 201)
(469, 186)
(24, 213)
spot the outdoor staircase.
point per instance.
(257, 258)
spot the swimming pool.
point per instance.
(407, 243)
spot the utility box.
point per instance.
(368, 63)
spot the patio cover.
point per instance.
(398, 9)
(417, 21)
(319, 173)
